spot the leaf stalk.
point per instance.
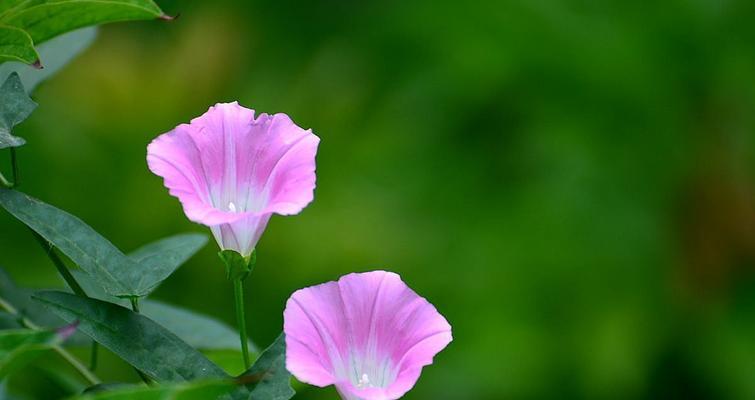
(75, 363)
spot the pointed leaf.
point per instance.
(16, 45)
(269, 379)
(19, 347)
(45, 19)
(198, 330)
(87, 248)
(15, 106)
(56, 53)
(159, 259)
(120, 276)
(20, 300)
(135, 338)
(201, 390)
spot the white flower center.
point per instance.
(364, 372)
(364, 381)
(231, 207)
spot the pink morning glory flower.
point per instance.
(232, 170)
(369, 334)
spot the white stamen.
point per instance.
(231, 206)
(363, 381)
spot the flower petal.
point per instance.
(368, 333)
(230, 167)
(316, 334)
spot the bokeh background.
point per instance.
(571, 183)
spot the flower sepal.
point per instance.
(237, 267)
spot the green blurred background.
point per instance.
(571, 183)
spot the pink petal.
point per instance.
(369, 334)
(231, 171)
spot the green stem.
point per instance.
(4, 182)
(75, 363)
(135, 307)
(93, 352)
(238, 291)
(14, 166)
(61, 267)
(70, 281)
(80, 368)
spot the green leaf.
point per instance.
(56, 53)
(20, 300)
(159, 259)
(198, 330)
(270, 380)
(201, 390)
(135, 338)
(45, 19)
(25, 308)
(87, 248)
(19, 347)
(231, 360)
(120, 276)
(16, 45)
(156, 260)
(15, 106)
(236, 265)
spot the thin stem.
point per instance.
(14, 166)
(93, 352)
(238, 291)
(80, 368)
(13, 311)
(70, 281)
(4, 182)
(61, 267)
(135, 307)
(75, 363)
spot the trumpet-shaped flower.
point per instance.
(369, 334)
(231, 170)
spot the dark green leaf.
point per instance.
(156, 261)
(16, 45)
(15, 106)
(45, 19)
(9, 321)
(269, 379)
(236, 265)
(108, 387)
(119, 275)
(56, 53)
(24, 307)
(197, 330)
(87, 248)
(95, 291)
(231, 360)
(19, 347)
(159, 259)
(135, 338)
(202, 390)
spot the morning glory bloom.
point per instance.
(232, 170)
(369, 334)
